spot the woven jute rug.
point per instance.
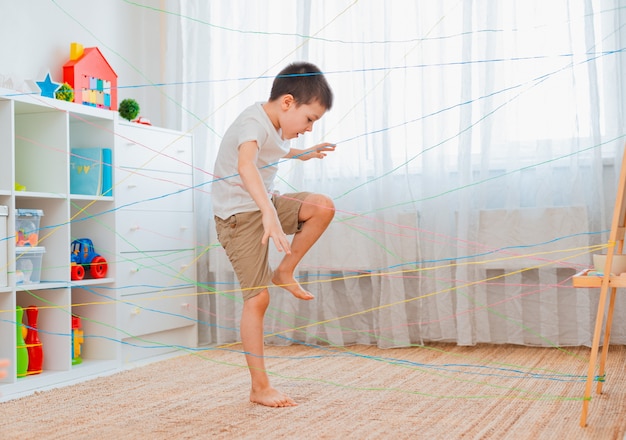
(435, 392)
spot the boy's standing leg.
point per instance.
(252, 339)
(315, 214)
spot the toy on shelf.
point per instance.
(85, 257)
(77, 340)
(22, 352)
(48, 87)
(65, 93)
(27, 226)
(142, 120)
(33, 344)
(92, 78)
(22, 239)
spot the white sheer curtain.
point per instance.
(478, 143)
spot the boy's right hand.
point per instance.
(273, 229)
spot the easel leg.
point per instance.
(593, 357)
(607, 338)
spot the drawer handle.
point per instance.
(131, 186)
(136, 311)
(185, 306)
(184, 227)
(134, 270)
(134, 227)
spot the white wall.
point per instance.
(35, 38)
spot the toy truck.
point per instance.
(85, 257)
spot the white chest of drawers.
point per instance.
(156, 272)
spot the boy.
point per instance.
(248, 214)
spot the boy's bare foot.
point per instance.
(288, 282)
(271, 397)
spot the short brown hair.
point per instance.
(305, 82)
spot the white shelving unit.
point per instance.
(146, 306)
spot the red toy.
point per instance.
(84, 256)
(33, 344)
(92, 78)
(142, 120)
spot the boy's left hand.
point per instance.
(317, 152)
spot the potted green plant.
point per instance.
(129, 109)
(65, 93)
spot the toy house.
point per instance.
(92, 78)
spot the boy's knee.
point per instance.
(257, 299)
(317, 206)
(325, 203)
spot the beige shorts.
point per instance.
(240, 235)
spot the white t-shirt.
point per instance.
(228, 193)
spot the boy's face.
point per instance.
(298, 119)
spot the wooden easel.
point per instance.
(604, 282)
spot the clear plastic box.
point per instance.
(4, 213)
(28, 263)
(27, 223)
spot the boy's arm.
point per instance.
(253, 183)
(317, 152)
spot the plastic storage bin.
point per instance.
(27, 227)
(28, 262)
(4, 212)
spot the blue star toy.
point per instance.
(48, 87)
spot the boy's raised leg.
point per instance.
(252, 340)
(316, 213)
